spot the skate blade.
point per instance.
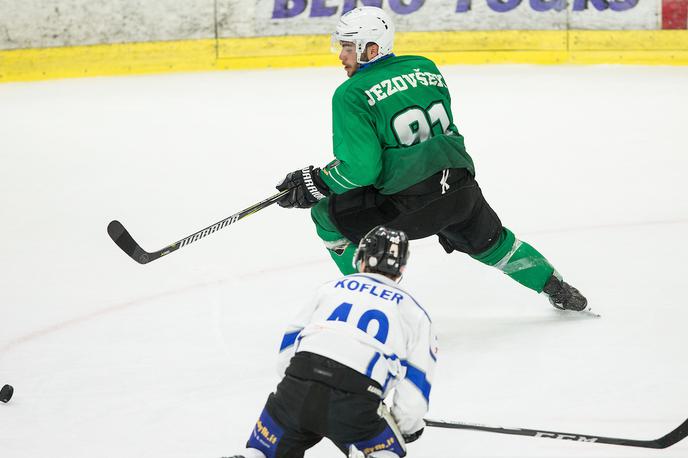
(590, 313)
(586, 312)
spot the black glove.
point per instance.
(408, 438)
(305, 186)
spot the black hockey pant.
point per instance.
(319, 398)
(452, 207)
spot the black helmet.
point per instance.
(384, 251)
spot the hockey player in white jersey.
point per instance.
(361, 338)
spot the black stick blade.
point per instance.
(126, 242)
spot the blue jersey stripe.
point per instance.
(418, 378)
(371, 365)
(289, 339)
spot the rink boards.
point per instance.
(125, 37)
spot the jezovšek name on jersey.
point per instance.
(400, 83)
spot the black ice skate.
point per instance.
(564, 296)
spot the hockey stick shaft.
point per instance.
(126, 242)
(663, 442)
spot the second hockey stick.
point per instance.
(663, 442)
(126, 242)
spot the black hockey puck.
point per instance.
(6, 393)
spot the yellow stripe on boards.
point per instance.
(649, 47)
(629, 57)
(105, 60)
(647, 40)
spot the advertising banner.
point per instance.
(295, 17)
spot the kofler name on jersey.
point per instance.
(382, 293)
(400, 83)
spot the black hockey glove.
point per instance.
(305, 186)
(408, 438)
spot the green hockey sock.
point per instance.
(340, 248)
(518, 260)
(345, 260)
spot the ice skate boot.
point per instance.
(564, 296)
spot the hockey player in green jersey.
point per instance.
(400, 161)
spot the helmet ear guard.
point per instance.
(383, 251)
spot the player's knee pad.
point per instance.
(265, 437)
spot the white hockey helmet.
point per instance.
(363, 25)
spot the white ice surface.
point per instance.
(176, 358)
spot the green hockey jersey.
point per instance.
(392, 127)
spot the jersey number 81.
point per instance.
(414, 125)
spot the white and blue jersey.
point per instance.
(366, 322)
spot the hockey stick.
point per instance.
(127, 243)
(663, 442)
